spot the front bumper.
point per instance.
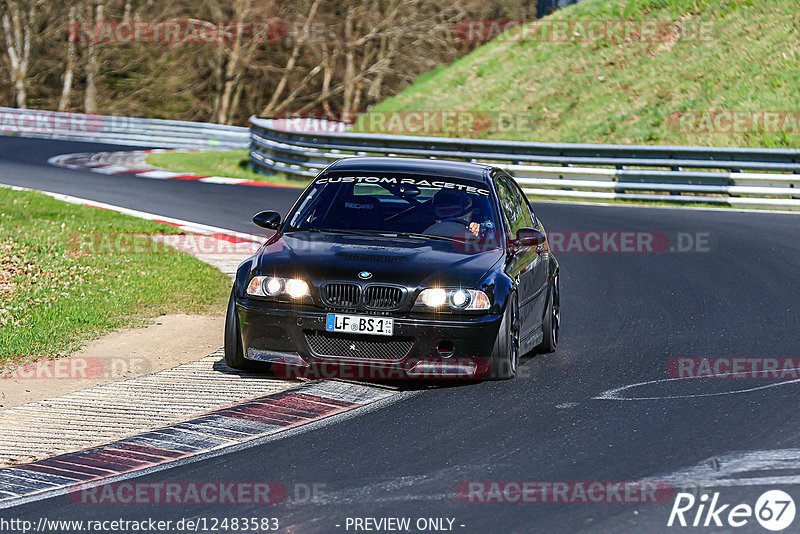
(294, 340)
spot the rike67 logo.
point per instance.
(774, 510)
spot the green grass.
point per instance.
(605, 92)
(231, 163)
(57, 291)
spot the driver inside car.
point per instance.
(457, 207)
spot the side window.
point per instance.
(527, 210)
(515, 210)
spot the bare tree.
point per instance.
(17, 27)
(90, 95)
(337, 56)
(66, 88)
(233, 68)
(272, 105)
(327, 65)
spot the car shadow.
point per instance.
(264, 371)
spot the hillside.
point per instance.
(715, 73)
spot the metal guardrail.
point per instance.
(743, 177)
(120, 130)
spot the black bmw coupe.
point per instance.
(398, 268)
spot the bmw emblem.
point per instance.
(365, 275)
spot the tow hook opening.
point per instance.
(445, 348)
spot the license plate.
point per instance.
(359, 324)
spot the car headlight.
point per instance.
(433, 298)
(296, 288)
(273, 286)
(453, 299)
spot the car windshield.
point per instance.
(436, 207)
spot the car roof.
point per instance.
(430, 167)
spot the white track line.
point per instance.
(188, 226)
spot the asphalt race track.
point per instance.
(625, 315)
(24, 163)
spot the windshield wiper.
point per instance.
(423, 236)
(338, 231)
(375, 232)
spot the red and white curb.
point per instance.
(134, 163)
(216, 431)
(187, 226)
(140, 425)
(103, 413)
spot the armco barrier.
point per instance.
(120, 130)
(743, 177)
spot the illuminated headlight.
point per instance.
(271, 286)
(433, 298)
(456, 299)
(459, 298)
(296, 288)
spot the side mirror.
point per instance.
(528, 237)
(270, 220)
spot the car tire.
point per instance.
(234, 354)
(505, 353)
(551, 323)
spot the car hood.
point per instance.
(408, 261)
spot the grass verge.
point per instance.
(231, 163)
(716, 56)
(58, 288)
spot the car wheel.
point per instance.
(234, 354)
(505, 354)
(552, 318)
